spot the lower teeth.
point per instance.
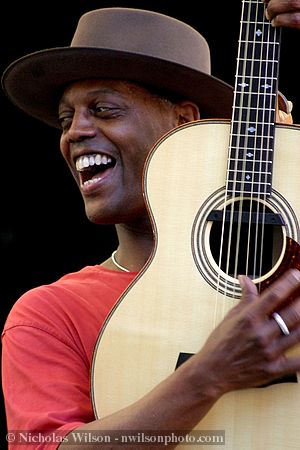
(91, 181)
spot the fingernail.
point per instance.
(296, 274)
(290, 106)
(267, 14)
(241, 279)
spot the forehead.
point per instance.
(92, 87)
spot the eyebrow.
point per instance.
(101, 90)
(104, 91)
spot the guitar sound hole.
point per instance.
(249, 246)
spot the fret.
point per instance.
(252, 22)
(238, 76)
(249, 41)
(245, 109)
(260, 60)
(264, 94)
(242, 159)
(254, 138)
(256, 123)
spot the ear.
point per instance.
(187, 111)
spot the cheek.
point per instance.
(63, 147)
(64, 150)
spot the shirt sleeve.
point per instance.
(46, 387)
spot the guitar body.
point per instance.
(178, 299)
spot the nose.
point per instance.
(82, 126)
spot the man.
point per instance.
(114, 93)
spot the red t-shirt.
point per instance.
(48, 342)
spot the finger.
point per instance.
(283, 13)
(290, 316)
(282, 117)
(275, 295)
(280, 7)
(285, 366)
(283, 345)
(291, 20)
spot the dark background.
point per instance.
(43, 229)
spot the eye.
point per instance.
(65, 121)
(106, 112)
(101, 108)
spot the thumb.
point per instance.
(249, 289)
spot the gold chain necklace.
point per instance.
(113, 257)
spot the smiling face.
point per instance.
(108, 128)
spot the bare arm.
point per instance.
(247, 349)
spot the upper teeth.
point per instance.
(85, 161)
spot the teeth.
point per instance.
(86, 161)
(91, 181)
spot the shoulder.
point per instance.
(74, 298)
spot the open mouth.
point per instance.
(92, 167)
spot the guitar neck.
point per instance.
(254, 109)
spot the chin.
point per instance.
(100, 217)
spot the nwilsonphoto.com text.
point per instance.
(196, 437)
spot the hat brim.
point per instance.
(35, 82)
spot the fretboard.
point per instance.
(254, 110)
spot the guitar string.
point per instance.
(246, 57)
(258, 125)
(257, 39)
(268, 74)
(275, 74)
(230, 204)
(226, 196)
(263, 187)
(241, 138)
(254, 93)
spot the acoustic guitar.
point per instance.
(223, 198)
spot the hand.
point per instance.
(248, 348)
(283, 13)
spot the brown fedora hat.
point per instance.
(144, 47)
